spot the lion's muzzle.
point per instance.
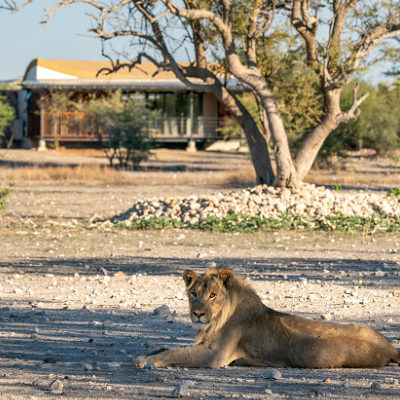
(199, 319)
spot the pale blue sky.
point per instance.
(23, 38)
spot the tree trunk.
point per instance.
(286, 174)
(258, 147)
(256, 141)
(313, 142)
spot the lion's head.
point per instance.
(209, 296)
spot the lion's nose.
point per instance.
(198, 314)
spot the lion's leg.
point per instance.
(221, 353)
(194, 356)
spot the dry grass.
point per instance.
(177, 168)
(103, 175)
(91, 175)
(87, 174)
(353, 178)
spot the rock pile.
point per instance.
(265, 202)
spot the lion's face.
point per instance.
(207, 294)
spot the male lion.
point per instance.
(234, 325)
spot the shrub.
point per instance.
(7, 114)
(122, 125)
(4, 192)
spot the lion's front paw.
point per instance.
(144, 362)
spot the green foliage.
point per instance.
(285, 222)
(7, 114)
(295, 85)
(379, 123)
(337, 186)
(377, 127)
(280, 57)
(394, 192)
(4, 192)
(231, 128)
(122, 124)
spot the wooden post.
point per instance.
(192, 144)
(42, 142)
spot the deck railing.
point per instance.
(78, 125)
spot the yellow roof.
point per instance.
(89, 69)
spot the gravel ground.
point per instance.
(77, 304)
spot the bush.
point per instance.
(122, 125)
(7, 114)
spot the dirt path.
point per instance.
(77, 304)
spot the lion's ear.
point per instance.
(226, 276)
(190, 277)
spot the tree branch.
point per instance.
(11, 5)
(307, 27)
(369, 41)
(354, 111)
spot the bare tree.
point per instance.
(235, 29)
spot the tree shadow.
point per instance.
(108, 339)
(375, 273)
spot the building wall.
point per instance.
(210, 115)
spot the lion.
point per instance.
(233, 325)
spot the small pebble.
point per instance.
(50, 360)
(376, 386)
(315, 394)
(87, 367)
(272, 373)
(56, 387)
(149, 365)
(162, 311)
(114, 364)
(181, 391)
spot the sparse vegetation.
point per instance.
(337, 186)
(4, 192)
(286, 222)
(122, 126)
(394, 192)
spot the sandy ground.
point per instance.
(77, 304)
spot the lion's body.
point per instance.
(234, 325)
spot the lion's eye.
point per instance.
(212, 295)
(194, 294)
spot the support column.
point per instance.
(192, 144)
(42, 142)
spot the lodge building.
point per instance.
(183, 115)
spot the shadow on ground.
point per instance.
(376, 273)
(108, 340)
(38, 345)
